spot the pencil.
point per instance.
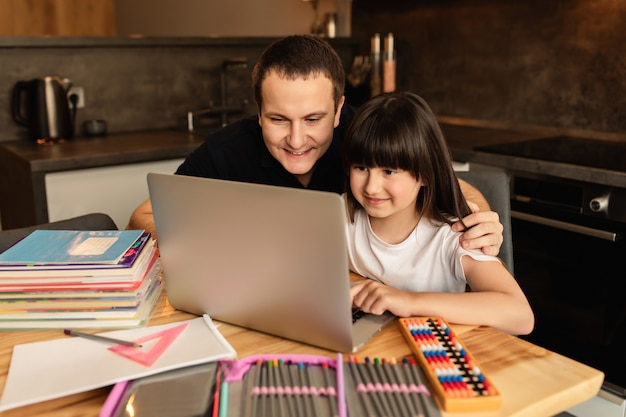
(100, 338)
(330, 390)
(287, 387)
(223, 403)
(361, 387)
(217, 396)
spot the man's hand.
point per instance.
(484, 232)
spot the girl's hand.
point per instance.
(376, 298)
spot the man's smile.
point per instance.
(298, 153)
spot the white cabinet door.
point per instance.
(115, 190)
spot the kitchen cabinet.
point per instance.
(41, 183)
(57, 18)
(115, 190)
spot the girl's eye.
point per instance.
(359, 168)
(391, 171)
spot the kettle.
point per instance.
(42, 106)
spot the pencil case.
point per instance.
(310, 385)
(278, 385)
(283, 385)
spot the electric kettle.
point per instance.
(42, 106)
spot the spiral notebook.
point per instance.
(272, 259)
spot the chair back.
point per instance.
(494, 184)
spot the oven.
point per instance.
(569, 245)
(570, 262)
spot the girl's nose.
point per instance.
(373, 184)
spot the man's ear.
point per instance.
(342, 100)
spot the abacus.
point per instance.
(455, 377)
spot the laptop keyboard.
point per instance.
(357, 313)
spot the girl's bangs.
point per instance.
(384, 147)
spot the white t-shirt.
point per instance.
(428, 260)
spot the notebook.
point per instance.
(272, 259)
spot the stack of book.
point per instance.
(79, 279)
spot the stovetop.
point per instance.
(567, 149)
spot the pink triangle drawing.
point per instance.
(147, 358)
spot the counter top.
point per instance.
(24, 166)
(114, 149)
(463, 138)
(133, 147)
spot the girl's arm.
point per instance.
(495, 300)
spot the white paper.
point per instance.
(43, 371)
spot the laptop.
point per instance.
(268, 258)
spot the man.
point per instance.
(295, 140)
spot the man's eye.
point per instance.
(277, 119)
(312, 120)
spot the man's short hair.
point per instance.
(299, 56)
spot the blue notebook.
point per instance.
(58, 247)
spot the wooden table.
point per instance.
(532, 381)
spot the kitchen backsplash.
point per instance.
(537, 62)
(541, 63)
(136, 84)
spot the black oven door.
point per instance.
(573, 272)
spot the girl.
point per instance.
(403, 198)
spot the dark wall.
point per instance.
(135, 84)
(558, 63)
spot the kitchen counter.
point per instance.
(114, 149)
(463, 137)
(23, 164)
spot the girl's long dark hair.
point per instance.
(399, 130)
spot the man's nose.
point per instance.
(296, 136)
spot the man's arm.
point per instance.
(484, 228)
(142, 218)
(198, 163)
(472, 194)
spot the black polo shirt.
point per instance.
(237, 152)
